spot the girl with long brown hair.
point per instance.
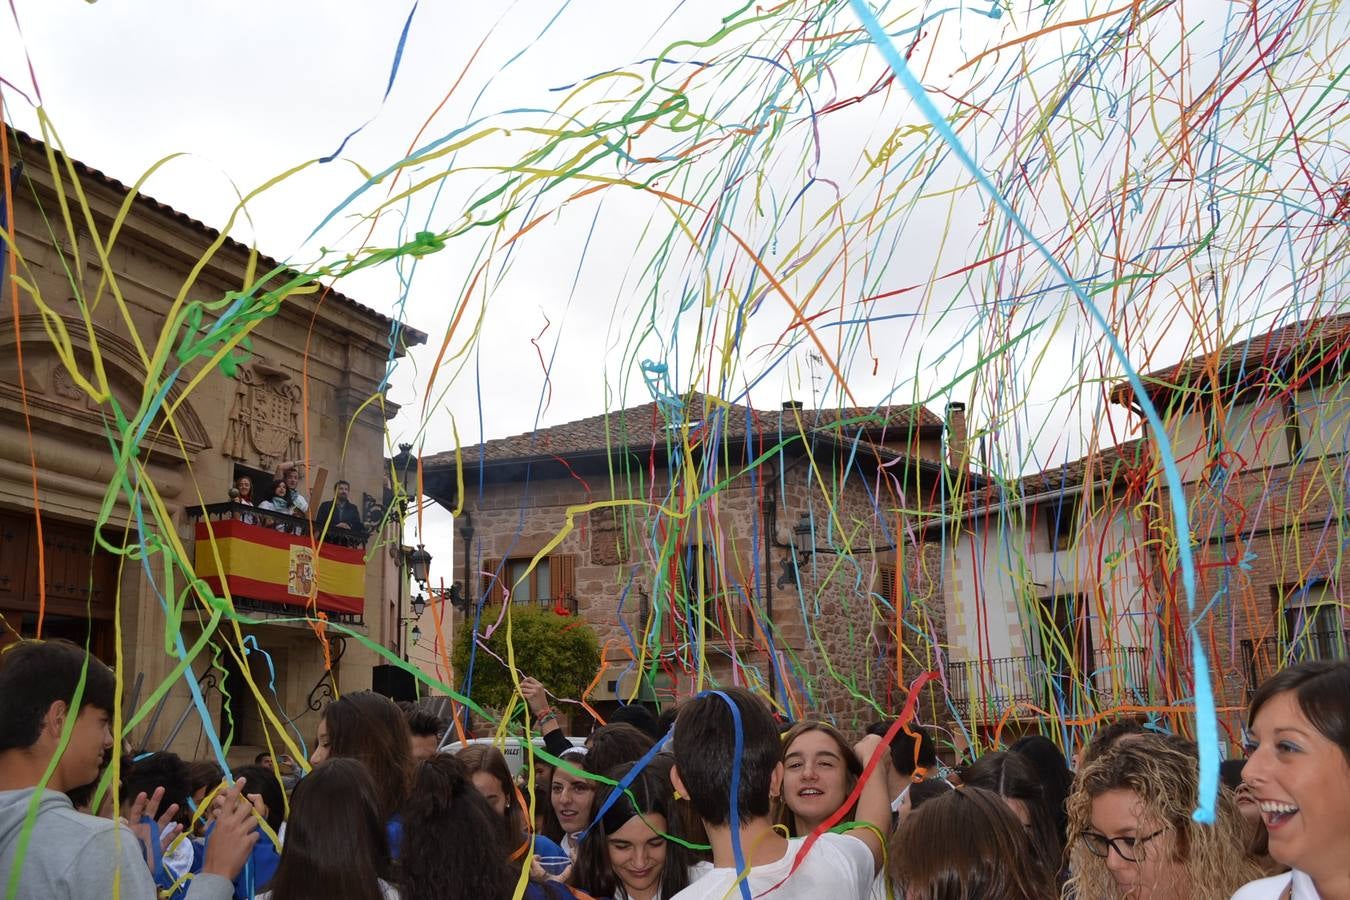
(820, 770)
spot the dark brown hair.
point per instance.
(614, 745)
(336, 847)
(368, 726)
(965, 845)
(705, 754)
(649, 794)
(1012, 777)
(1105, 738)
(35, 674)
(452, 845)
(489, 760)
(1321, 688)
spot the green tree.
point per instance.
(561, 651)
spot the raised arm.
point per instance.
(874, 804)
(545, 717)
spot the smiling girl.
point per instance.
(625, 855)
(820, 770)
(1132, 835)
(572, 795)
(1298, 770)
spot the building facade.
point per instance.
(712, 544)
(1065, 596)
(96, 275)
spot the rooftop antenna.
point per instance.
(814, 359)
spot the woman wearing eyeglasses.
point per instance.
(1131, 834)
(1298, 770)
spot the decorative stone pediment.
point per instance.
(57, 402)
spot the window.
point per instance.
(1061, 519)
(550, 583)
(1256, 433)
(1066, 647)
(1323, 417)
(727, 591)
(1312, 621)
(886, 586)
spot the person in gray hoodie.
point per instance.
(56, 704)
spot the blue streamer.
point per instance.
(393, 72)
(1206, 716)
(735, 804)
(624, 785)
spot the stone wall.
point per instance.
(835, 639)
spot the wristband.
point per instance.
(548, 716)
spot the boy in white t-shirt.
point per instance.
(837, 866)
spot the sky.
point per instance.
(616, 295)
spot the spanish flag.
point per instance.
(261, 563)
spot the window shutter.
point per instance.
(492, 586)
(560, 575)
(673, 589)
(886, 586)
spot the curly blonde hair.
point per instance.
(1162, 773)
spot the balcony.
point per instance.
(1263, 658)
(984, 690)
(270, 563)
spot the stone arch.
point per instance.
(57, 404)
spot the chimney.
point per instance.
(956, 436)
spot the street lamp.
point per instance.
(419, 562)
(405, 470)
(419, 606)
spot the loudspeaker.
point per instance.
(394, 683)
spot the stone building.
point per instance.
(1064, 593)
(92, 303)
(1260, 430)
(712, 544)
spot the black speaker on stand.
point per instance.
(394, 683)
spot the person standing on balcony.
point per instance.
(289, 473)
(243, 490)
(280, 502)
(340, 518)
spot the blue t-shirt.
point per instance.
(257, 873)
(394, 829)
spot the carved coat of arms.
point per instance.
(265, 419)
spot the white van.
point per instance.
(510, 747)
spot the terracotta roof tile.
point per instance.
(1106, 465)
(651, 425)
(411, 335)
(1305, 343)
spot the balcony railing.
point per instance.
(270, 562)
(1263, 658)
(984, 690)
(300, 526)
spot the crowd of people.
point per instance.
(338, 520)
(716, 799)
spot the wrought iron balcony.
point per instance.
(270, 562)
(985, 690)
(1263, 658)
